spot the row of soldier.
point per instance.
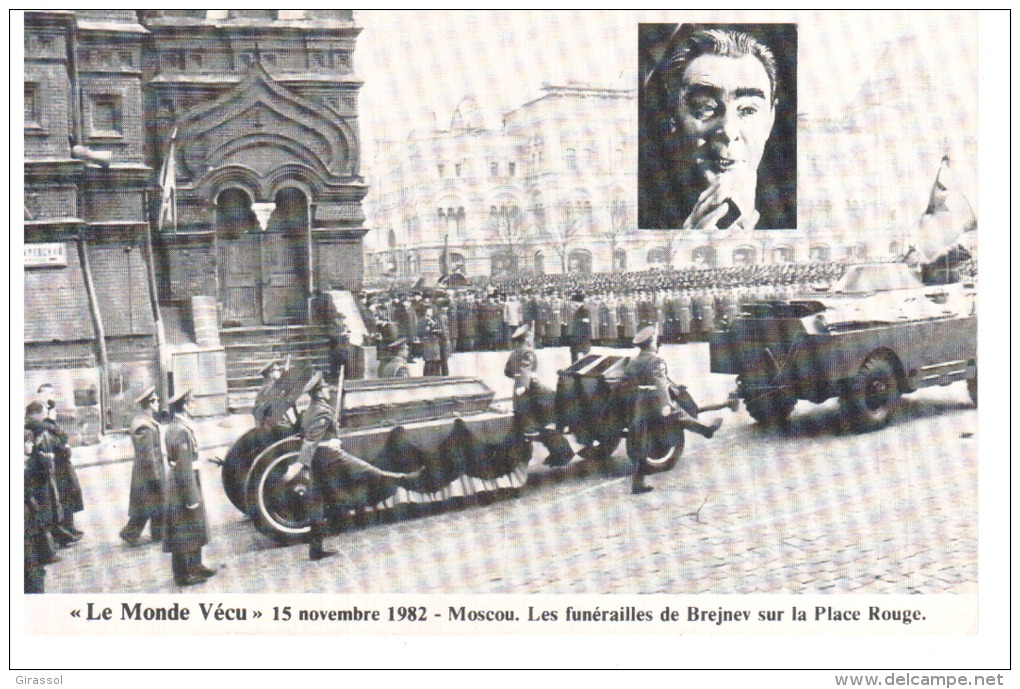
(467, 321)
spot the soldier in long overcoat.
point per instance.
(186, 530)
(333, 469)
(649, 369)
(40, 483)
(580, 329)
(432, 344)
(452, 325)
(592, 303)
(522, 367)
(627, 312)
(147, 499)
(68, 486)
(467, 323)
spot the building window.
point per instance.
(33, 116)
(173, 59)
(106, 115)
(570, 159)
(127, 59)
(441, 169)
(494, 169)
(511, 169)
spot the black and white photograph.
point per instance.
(718, 136)
(500, 322)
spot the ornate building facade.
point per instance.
(264, 104)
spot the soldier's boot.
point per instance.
(639, 487)
(67, 523)
(132, 532)
(64, 537)
(560, 453)
(179, 563)
(316, 549)
(706, 431)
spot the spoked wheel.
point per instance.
(275, 490)
(872, 396)
(663, 455)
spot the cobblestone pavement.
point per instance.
(810, 508)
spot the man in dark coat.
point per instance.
(467, 323)
(42, 473)
(522, 367)
(431, 343)
(649, 369)
(333, 470)
(71, 499)
(580, 329)
(148, 474)
(186, 529)
(38, 552)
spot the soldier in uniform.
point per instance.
(148, 474)
(396, 367)
(522, 367)
(333, 470)
(432, 343)
(580, 329)
(186, 529)
(467, 323)
(270, 373)
(38, 550)
(40, 483)
(68, 487)
(648, 368)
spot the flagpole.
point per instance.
(168, 175)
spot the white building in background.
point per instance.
(553, 187)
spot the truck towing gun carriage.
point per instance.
(877, 334)
(448, 427)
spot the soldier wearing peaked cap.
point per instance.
(649, 369)
(186, 528)
(148, 474)
(580, 329)
(533, 400)
(396, 367)
(333, 470)
(270, 373)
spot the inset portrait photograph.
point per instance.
(718, 126)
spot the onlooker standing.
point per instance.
(68, 487)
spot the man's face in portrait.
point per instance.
(724, 117)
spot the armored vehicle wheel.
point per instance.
(871, 397)
(972, 389)
(275, 490)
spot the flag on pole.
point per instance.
(168, 182)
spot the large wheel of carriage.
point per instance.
(655, 440)
(872, 396)
(274, 492)
(241, 456)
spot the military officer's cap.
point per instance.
(180, 397)
(520, 333)
(578, 296)
(644, 335)
(146, 395)
(397, 344)
(268, 367)
(314, 383)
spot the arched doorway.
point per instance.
(239, 259)
(285, 260)
(580, 262)
(263, 275)
(744, 256)
(619, 260)
(704, 256)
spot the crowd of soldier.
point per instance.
(685, 305)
